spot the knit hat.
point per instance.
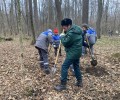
(55, 31)
(66, 22)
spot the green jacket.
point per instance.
(72, 41)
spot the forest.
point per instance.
(22, 21)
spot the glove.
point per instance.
(54, 45)
(62, 34)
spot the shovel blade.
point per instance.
(53, 70)
(93, 62)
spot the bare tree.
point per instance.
(2, 22)
(10, 30)
(106, 15)
(49, 13)
(85, 11)
(36, 16)
(99, 17)
(27, 17)
(31, 21)
(20, 32)
(59, 12)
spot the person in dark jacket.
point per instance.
(56, 42)
(72, 41)
(42, 44)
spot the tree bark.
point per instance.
(9, 26)
(36, 16)
(31, 21)
(85, 11)
(59, 12)
(99, 17)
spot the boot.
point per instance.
(79, 83)
(47, 70)
(60, 87)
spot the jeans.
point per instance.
(65, 67)
(55, 51)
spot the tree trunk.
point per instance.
(106, 16)
(99, 17)
(27, 16)
(2, 22)
(9, 26)
(50, 13)
(31, 21)
(16, 15)
(20, 33)
(85, 11)
(59, 12)
(36, 16)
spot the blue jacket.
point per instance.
(91, 35)
(91, 31)
(56, 40)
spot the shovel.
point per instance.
(54, 68)
(93, 60)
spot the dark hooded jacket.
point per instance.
(72, 41)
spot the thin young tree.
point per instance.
(2, 21)
(31, 21)
(20, 33)
(99, 17)
(9, 26)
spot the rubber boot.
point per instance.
(79, 83)
(60, 87)
(46, 69)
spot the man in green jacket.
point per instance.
(72, 41)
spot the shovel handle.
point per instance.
(89, 47)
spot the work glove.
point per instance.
(54, 46)
(62, 34)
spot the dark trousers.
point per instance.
(55, 51)
(65, 67)
(43, 58)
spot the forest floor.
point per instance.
(28, 82)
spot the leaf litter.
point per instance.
(100, 83)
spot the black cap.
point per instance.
(66, 22)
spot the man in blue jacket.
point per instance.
(42, 44)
